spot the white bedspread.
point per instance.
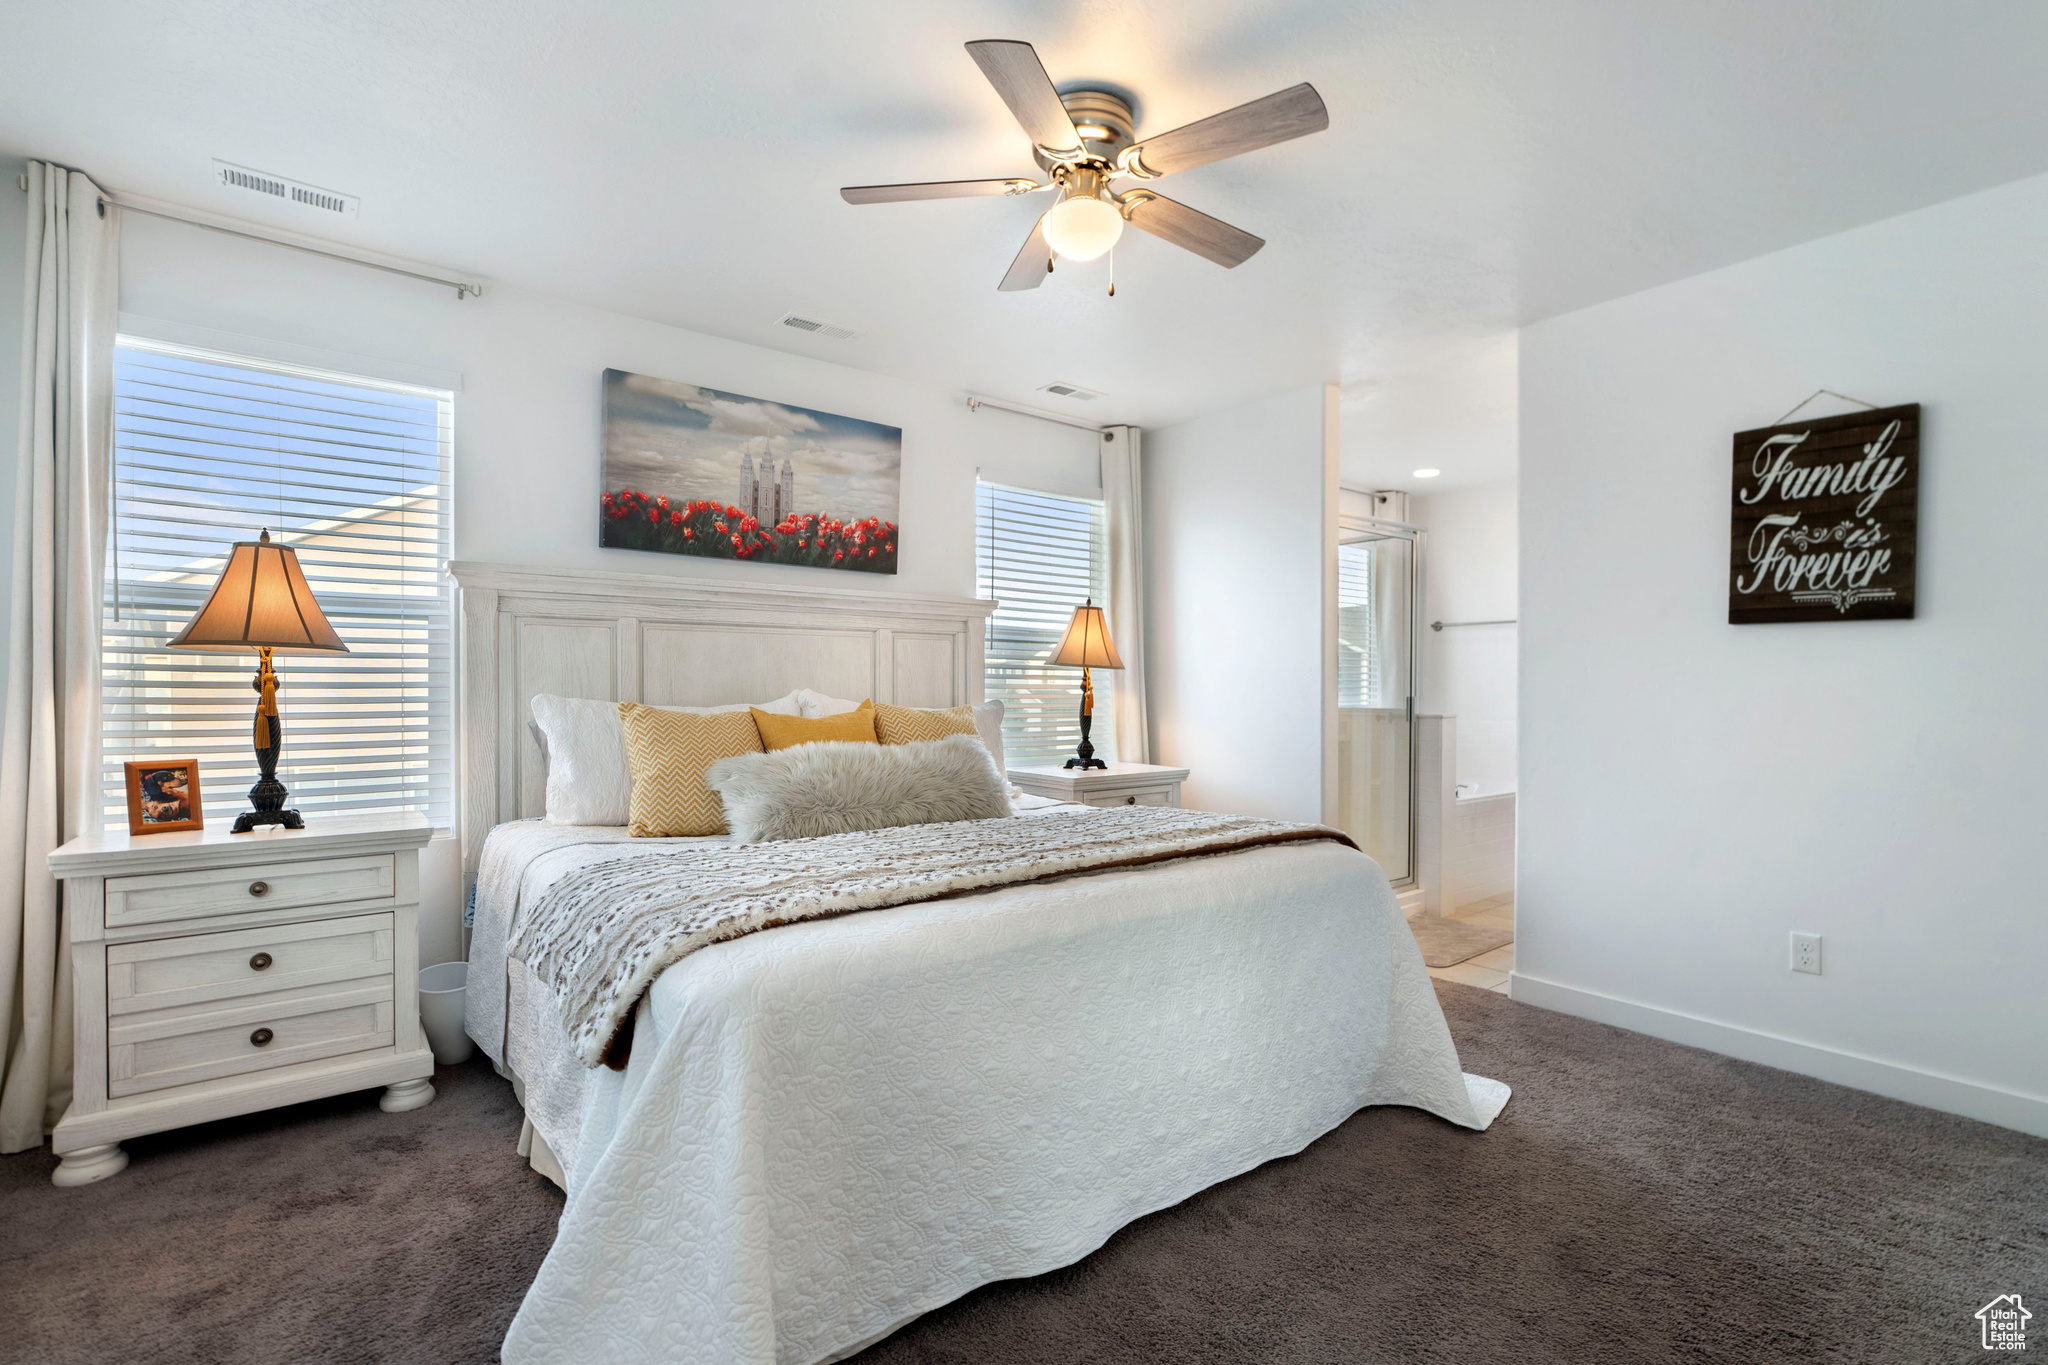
(830, 1128)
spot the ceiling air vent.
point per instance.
(816, 328)
(1074, 391)
(279, 190)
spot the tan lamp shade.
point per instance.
(261, 602)
(1087, 643)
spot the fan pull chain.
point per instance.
(1112, 273)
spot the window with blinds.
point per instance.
(353, 474)
(1358, 683)
(1040, 555)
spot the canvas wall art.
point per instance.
(696, 471)
(1826, 519)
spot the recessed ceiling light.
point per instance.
(1427, 473)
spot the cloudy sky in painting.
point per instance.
(666, 437)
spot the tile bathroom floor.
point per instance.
(1488, 971)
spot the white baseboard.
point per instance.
(1951, 1094)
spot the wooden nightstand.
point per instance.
(218, 974)
(1120, 784)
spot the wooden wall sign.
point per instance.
(1825, 521)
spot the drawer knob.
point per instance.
(1130, 800)
(259, 888)
(261, 1036)
(259, 962)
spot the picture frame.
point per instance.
(163, 796)
(1826, 518)
(689, 470)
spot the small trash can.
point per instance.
(441, 990)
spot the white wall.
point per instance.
(528, 412)
(526, 474)
(1693, 791)
(1469, 575)
(1239, 508)
(1026, 452)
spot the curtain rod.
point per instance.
(976, 404)
(462, 288)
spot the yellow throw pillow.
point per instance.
(786, 732)
(908, 725)
(667, 753)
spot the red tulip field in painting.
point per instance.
(635, 521)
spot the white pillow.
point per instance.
(837, 788)
(584, 745)
(988, 720)
(817, 704)
(988, 723)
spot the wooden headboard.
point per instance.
(678, 642)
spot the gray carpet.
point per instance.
(1638, 1202)
(329, 1231)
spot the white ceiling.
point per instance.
(1488, 163)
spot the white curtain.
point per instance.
(50, 746)
(1121, 498)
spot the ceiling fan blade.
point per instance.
(1032, 265)
(935, 189)
(1019, 77)
(1211, 238)
(1291, 113)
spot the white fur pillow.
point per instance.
(836, 788)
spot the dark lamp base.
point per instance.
(250, 819)
(1084, 753)
(268, 795)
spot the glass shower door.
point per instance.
(1378, 580)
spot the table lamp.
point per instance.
(1087, 646)
(262, 603)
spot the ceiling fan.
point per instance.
(1084, 140)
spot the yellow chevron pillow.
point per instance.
(908, 725)
(786, 732)
(667, 753)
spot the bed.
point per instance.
(825, 1129)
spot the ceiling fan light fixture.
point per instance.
(1082, 227)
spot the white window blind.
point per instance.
(1358, 682)
(1041, 555)
(353, 474)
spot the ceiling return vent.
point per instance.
(1074, 391)
(279, 190)
(817, 328)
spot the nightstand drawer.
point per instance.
(167, 897)
(201, 1043)
(1146, 796)
(168, 973)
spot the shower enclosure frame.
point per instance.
(1417, 537)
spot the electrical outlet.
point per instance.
(1806, 953)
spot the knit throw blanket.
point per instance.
(600, 935)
